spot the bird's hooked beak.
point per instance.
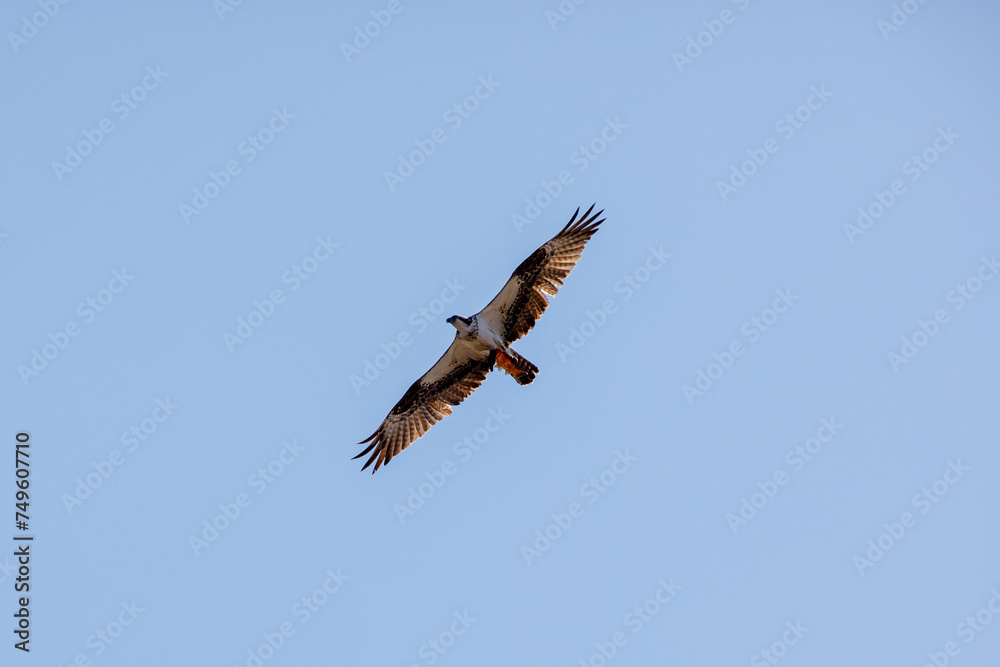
(455, 321)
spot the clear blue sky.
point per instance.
(765, 426)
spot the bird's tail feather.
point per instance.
(517, 366)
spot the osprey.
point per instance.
(483, 341)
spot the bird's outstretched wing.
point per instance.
(449, 381)
(520, 303)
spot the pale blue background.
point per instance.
(323, 175)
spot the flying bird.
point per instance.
(483, 341)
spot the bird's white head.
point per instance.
(461, 323)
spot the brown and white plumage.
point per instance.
(483, 341)
(428, 400)
(523, 299)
